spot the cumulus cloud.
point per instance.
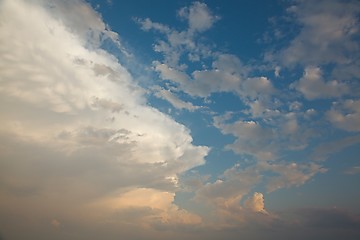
(251, 138)
(345, 115)
(179, 43)
(199, 16)
(254, 87)
(156, 208)
(75, 127)
(256, 203)
(225, 194)
(327, 33)
(313, 86)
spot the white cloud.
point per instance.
(327, 35)
(156, 206)
(256, 203)
(260, 86)
(251, 138)
(289, 175)
(277, 71)
(75, 127)
(225, 76)
(172, 74)
(345, 115)
(175, 101)
(179, 43)
(199, 17)
(224, 195)
(313, 86)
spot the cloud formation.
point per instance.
(76, 129)
(85, 155)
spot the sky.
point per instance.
(179, 119)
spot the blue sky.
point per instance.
(179, 119)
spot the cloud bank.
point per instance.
(80, 144)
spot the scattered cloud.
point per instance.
(198, 16)
(327, 33)
(345, 115)
(81, 146)
(256, 203)
(290, 174)
(175, 101)
(313, 86)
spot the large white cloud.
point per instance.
(75, 128)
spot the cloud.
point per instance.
(75, 126)
(325, 150)
(289, 174)
(345, 115)
(256, 203)
(178, 43)
(313, 86)
(154, 208)
(224, 196)
(327, 33)
(251, 138)
(175, 101)
(260, 86)
(199, 17)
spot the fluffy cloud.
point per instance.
(313, 86)
(154, 207)
(254, 87)
(256, 203)
(251, 138)
(327, 33)
(345, 115)
(75, 127)
(225, 194)
(226, 76)
(178, 43)
(199, 17)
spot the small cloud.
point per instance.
(313, 86)
(277, 71)
(175, 101)
(199, 17)
(345, 115)
(353, 170)
(256, 203)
